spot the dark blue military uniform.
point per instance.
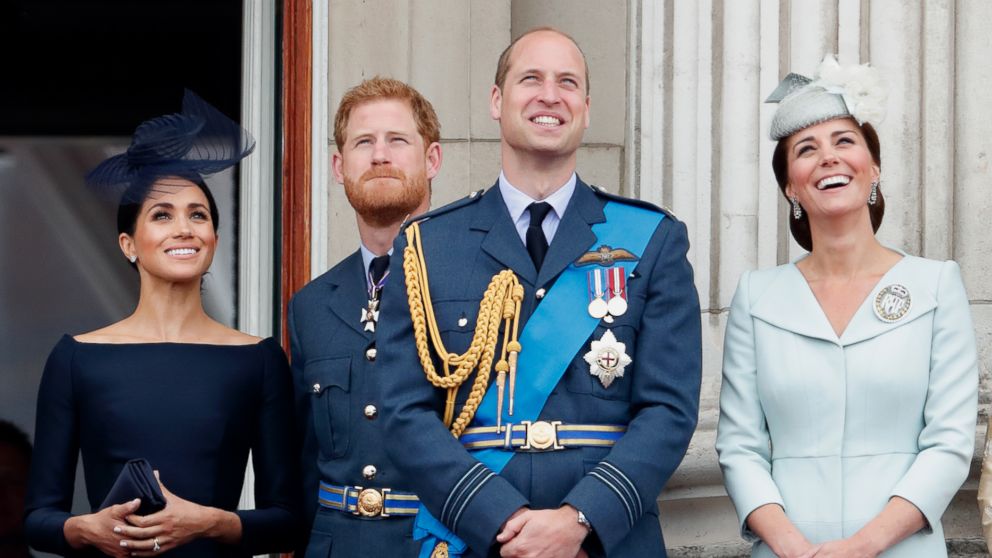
(334, 372)
(657, 398)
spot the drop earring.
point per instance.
(797, 210)
(873, 195)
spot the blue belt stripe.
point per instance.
(519, 436)
(342, 498)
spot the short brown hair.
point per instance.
(380, 88)
(503, 66)
(800, 227)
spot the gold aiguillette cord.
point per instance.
(500, 307)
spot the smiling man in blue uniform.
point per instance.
(387, 152)
(540, 346)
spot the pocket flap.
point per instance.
(456, 315)
(328, 372)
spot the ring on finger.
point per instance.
(156, 546)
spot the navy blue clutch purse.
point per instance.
(136, 481)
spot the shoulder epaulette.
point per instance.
(467, 200)
(603, 192)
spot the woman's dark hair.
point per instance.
(800, 226)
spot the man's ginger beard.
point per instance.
(382, 205)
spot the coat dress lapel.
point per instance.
(866, 324)
(788, 303)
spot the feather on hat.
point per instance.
(198, 141)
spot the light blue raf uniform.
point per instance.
(357, 499)
(605, 404)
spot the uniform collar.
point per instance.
(517, 202)
(367, 257)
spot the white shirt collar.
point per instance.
(517, 203)
(367, 257)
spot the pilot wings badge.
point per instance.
(607, 358)
(605, 256)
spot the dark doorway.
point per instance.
(78, 77)
(99, 67)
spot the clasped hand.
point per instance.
(843, 548)
(117, 531)
(543, 533)
(180, 522)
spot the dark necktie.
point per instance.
(377, 270)
(537, 244)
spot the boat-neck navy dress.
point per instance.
(194, 411)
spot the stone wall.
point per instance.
(709, 65)
(678, 119)
(448, 51)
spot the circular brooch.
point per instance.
(892, 303)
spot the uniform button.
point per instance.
(369, 472)
(370, 354)
(316, 388)
(463, 321)
(473, 194)
(539, 294)
(371, 411)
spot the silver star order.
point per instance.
(607, 358)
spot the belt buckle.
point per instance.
(371, 502)
(541, 435)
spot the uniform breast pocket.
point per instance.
(330, 381)
(611, 372)
(456, 323)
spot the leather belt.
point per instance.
(541, 436)
(367, 502)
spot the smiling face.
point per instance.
(542, 106)
(383, 162)
(830, 169)
(174, 235)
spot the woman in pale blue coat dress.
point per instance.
(849, 398)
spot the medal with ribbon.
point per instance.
(617, 304)
(607, 293)
(598, 307)
(370, 314)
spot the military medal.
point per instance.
(598, 307)
(618, 291)
(370, 314)
(607, 358)
(892, 303)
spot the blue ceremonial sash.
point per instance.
(626, 226)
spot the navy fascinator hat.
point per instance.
(198, 141)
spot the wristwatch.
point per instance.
(583, 521)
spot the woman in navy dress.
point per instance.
(168, 383)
